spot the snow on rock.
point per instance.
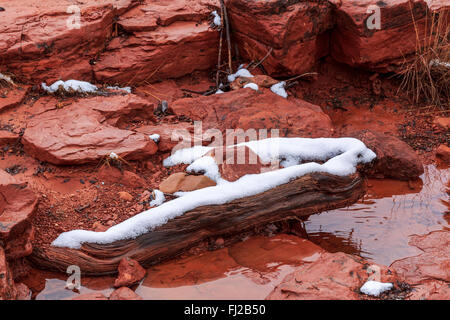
(126, 89)
(6, 78)
(217, 21)
(240, 73)
(206, 165)
(74, 85)
(155, 137)
(278, 89)
(159, 198)
(375, 288)
(342, 155)
(253, 86)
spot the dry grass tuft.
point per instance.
(426, 78)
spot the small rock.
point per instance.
(443, 122)
(181, 181)
(130, 272)
(124, 293)
(91, 296)
(98, 227)
(125, 196)
(443, 152)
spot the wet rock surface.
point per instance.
(395, 159)
(334, 276)
(429, 272)
(124, 293)
(130, 272)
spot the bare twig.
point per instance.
(227, 29)
(262, 60)
(301, 76)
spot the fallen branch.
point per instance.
(309, 194)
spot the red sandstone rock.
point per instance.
(395, 159)
(181, 181)
(235, 162)
(17, 204)
(86, 131)
(21, 246)
(91, 296)
(353, 43)
(443, 152)
(23, 292)
(247, 109)
(433, 264)
(443, 122)
(38, 45)
(11, 97)
(8, 138)
(170, 134)
(124, 293)
(295, 30)
(130, 272)
(7, 288)
(334, 276)
(430, 290)
(166, 39)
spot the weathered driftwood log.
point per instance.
(312, 193)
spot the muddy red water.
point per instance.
(377, 227)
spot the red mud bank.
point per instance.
(57, 174)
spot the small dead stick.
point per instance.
(301, 76)
(219, 59)
(227, 27)
(204, 93)
(262, 60)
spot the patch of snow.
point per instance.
(75, 85)
(342, 155)
(278, 88)
(240, 73)
(217, 21)
(159, 198)
(253, 86)
(375, 288)
(206, 165)
(127, 89)
(6, 78)
(113, 155)
(155, 137)
(439, 63)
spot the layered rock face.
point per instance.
(17, 205)
(164, 39)
(40, 41)
(357, 41)
(88, 131)
(296, 31)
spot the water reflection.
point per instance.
(378, 227)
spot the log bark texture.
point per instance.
(309, 194)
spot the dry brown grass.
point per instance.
(426, 77)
